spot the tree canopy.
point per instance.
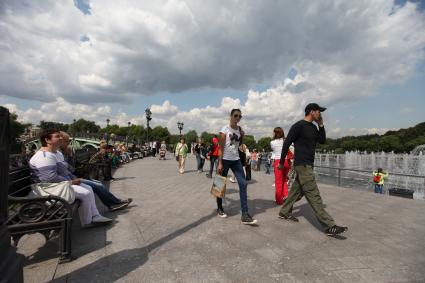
(401, 141)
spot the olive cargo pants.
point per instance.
(305, 184)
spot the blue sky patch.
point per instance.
(83, 6)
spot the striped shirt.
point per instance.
(46, 168)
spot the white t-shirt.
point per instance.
(276, 146)
(231, 144)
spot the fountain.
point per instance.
(409, 164)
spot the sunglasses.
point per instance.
(237, 116)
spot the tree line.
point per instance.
(403, 140)
(400, 141)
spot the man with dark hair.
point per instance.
(304, 134)
(47, 135)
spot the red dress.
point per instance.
(281, 178)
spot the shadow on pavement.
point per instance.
(123, 178)
(117, 265)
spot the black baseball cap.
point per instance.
(314, 107)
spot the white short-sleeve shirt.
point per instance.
(276, 146)
(231, 144)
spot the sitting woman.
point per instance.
(44, 168)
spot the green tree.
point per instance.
(249, 141)
(191, 136)
(174, 139)
(391, 143)
(160, 134)
(16, 130)
(45, 125)
(207, 137)
(137, 132)
(264, 144)
(84, 126)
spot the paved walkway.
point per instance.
(172, 234)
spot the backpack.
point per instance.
(377, 178)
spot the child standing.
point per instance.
(378, 180)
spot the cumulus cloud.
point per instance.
(282, 109)
(342, 50)
(61, 111)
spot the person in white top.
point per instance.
(45, 168)
(230, 137)
(280, 175)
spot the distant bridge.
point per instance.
(82, 140)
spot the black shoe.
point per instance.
(248, 220)
(221, 213)
(288, 217)
(119, 206)
(335, 230)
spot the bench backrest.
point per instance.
(19, 176)
(83, 155)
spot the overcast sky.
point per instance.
(193, 61)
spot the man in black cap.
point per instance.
(304, 134)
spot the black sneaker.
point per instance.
(221, 213)
(248, 220)
(335, 230)
(288, 217)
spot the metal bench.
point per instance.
(50, 215)
(81, 164)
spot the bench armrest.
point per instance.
(37, 209)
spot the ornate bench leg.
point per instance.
(65, 242)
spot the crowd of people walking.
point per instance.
(291, 156)
(294, 154)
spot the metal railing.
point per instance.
(339, 170)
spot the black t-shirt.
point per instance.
(304, 135)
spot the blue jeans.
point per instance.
(213, 161)
(237, 169)
(267, 168)
(200, 162)
(104, 195)
(379, 188)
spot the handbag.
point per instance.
(218, 188)
(177, 158)
(62, 189)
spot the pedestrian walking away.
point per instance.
(378, 180)
(200, 155)
(280, 176)
(230, 137)
(213, 155)
(304, 134)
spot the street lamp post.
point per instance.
(107, 131)
(148, 118)
(73, 132)
(128, 132)
(180, 126)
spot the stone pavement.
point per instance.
(172, 234)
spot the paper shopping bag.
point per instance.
(218, 188)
